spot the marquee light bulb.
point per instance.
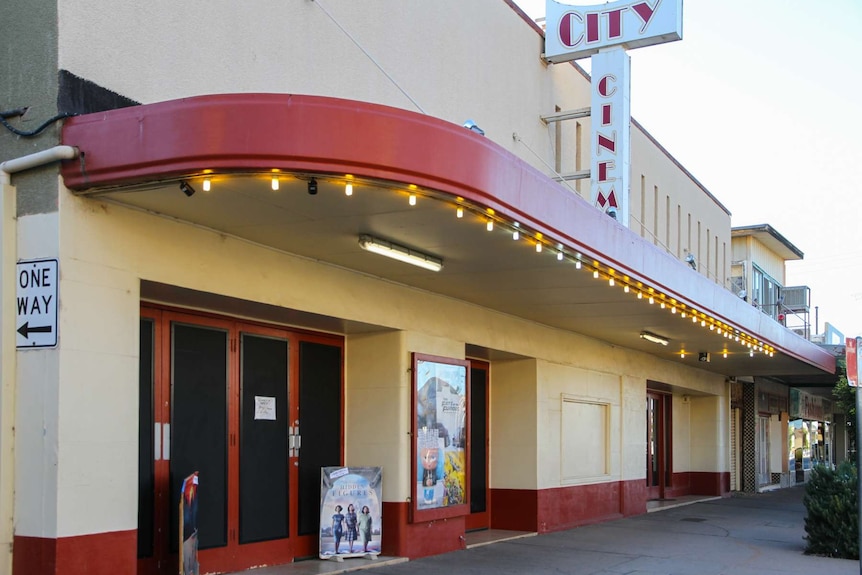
(207, 184)
(459, 212)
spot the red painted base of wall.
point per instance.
(413, 540)
(699, 483)
(97, 554)
(566, 507)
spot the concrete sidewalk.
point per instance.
(741, 535)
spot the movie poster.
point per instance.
(350, 512)
(189, 526)
(441, 434)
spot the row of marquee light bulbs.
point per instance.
(493, 220)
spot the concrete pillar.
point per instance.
(8, 254)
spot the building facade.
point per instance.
(203, 210)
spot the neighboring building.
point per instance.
(758, 276)
(222, 169)
(793, 424)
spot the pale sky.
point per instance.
(760, 101)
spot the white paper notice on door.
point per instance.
(264, 407)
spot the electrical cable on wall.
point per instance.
(375, 62)
(25, 133)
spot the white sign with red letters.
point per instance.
(573, 32)
(604, 32)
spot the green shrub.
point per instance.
(832, 521)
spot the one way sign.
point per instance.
(37, 304)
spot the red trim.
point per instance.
(680, 485)
(515, 509)
(566, 507)
(401, 538)
(699, 483)
(634, 497)
(97, 554)
(710, 483)
(256, 132)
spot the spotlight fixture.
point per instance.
(654, 338)
(471, 125)
(186, 188)
(400, 253)
(312, 187)
(689, 259)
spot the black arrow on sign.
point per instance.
(26, 330)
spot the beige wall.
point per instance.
(748, 249)
(514, 425)
(670, 210)
(710, 433)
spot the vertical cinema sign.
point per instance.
(604, 33)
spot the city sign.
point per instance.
(573, 32)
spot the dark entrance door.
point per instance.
(222, 398)
(658, 444)
(480, 492)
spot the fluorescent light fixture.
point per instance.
(654, 338)
(400, 253)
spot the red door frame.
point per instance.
(233, 556)
(658, 417)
